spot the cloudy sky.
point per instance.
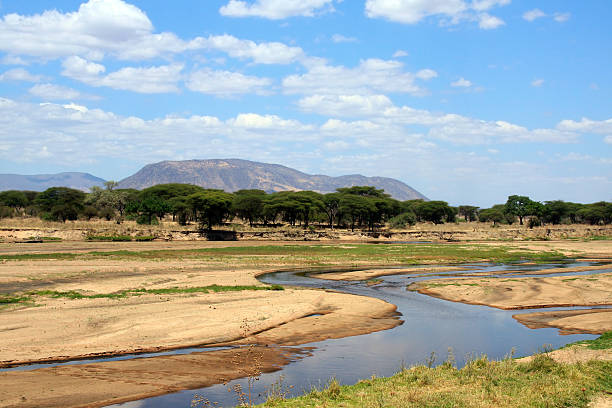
(468, 101)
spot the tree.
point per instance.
(435, 211)
(14, 199)
(60, 203)
(331, 202)
(211, 207)
(554, 211)
(495, 215)
(110, 185)
(402, 220)
(148, 208)
(248, 204)
(518, 206)
(364, 191)
(469, 212)
(356, 208)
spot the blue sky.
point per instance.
(467, 101)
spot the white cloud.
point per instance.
(339, 38)
(448, 11)
(461, 83)
(13, 60)
(19, 74)
(562, 17)
(54, 92)
(608, 139)
(262, 53)
(601, 127)
(369, 77)
(275, 9)
(534, 14)
(537, 83)
(400, 54)
(161, 79)
(345, 105)
(225, 83)
(489, 22)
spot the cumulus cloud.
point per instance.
(461, 83)
(447, 11)
(345, 105)
(371, 76)
(54, 92)
(275, 9)
(19, 74)
(160, 79)
(262, 53)
(225, 83)
(601, 127)
(533, 15)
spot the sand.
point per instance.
(366, 274)
(594, 321)
(523, 293)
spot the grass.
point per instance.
(481, 383)
(120, 238)
(603, 342)
(322, 255)
(28, 296)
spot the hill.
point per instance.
(234, 174)
(41, 182)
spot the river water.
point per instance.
(430, 325)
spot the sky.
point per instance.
(467, 101)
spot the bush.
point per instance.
(400, 221)
(5, 211)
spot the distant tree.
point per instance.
(17, 200)
(469, 212)
(494, 215)
(211, 207)
(110, 185)
(364, 191)
(248, 204)
(435, 211)
(60, 203)
(355, 208)
(89, 212)
(554, 211)
(331, 202)
(148, 208)
(518, 206)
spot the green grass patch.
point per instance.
(323, 255)
(10, 299)
(481, 383)
(603, 342)
(120, 238)
(136, 292)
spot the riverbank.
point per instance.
(89, 299)
(541, 380)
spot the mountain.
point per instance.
(41, 182)
(234, 174)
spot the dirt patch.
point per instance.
(577, 353)
(120, 381)
(523, 293)
(366, 274)
(594, 321)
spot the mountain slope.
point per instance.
(41, 182)
(234, 174)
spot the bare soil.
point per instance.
(595, 321)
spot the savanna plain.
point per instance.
(69, 293)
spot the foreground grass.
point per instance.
(603, 342)
(320, 255)
(481, 383)
(29, 296)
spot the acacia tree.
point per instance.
(248, 204)
(331, 202)
(60, 203)
(469, 212)
(211, 207)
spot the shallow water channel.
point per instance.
(430, 325)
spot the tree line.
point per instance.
(363, 207)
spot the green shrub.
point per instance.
(402, 220)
